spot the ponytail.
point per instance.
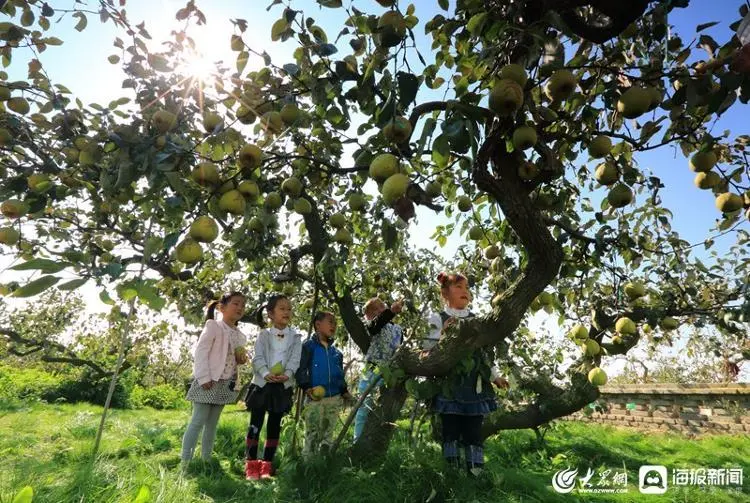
(224, 300)
(256, 318)
(211, 310)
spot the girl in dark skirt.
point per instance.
(277, 357)
(469, 396)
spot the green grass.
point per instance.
(48, 446)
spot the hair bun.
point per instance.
(441, 277)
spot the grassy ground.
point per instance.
(47, 446)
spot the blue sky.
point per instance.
(81, 65)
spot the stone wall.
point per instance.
(688, 408)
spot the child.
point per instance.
(471, 397)
(386, 337)
(321, 371)
(277, 354)
(219, 351)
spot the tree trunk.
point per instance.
(381, 423)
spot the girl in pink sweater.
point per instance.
(220, 350)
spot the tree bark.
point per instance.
(380, 426)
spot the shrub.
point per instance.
(161, 396)
(25, 384)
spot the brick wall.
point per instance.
(688, 408)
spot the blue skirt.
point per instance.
(463, 399)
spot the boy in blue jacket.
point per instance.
(321, 376)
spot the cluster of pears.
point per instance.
(702, 163)
(384, 169)
(580, 335)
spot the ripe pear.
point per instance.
(189, 251)
(591, 347)
(204, 229)
(205, 174)
(464, 204)
(226, 187)
(579, 333)
(476, 233)
(233, 202)
(625, 326)
(634, 102)
(600, 146)
(728, 202)
(13, 208)
(524, 137)
(620, 195)
(342, 236)
(289, 113)
(560, 85)
(212, 122)
(514, 72)
(9, 236)
(491, 252)
(597, 377)
(383, 167)
(18, 105)
(634, 290)
(292, 186)
(4, 93)
(245, 115)
(163, 121)
(302, 206)
(707, 180)
(656, 95)
(506, 97)
(433, 189)
(606, 173)
(391, 29)
(272, 122)
(337, 220)
(394, 188)
(277, 369)
(249, 189)
(318, 392)
(398, 130)
(668, 323)
(702, 162)
(357, 201)
(527, 170)
(250, 157)
(38, 182)
(273, 201)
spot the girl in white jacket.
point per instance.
(220, 350)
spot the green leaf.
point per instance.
(72, 285)
(42, 264)
(408, 85)
(144, 495)
(476, 23)
(25, 495)
(443, 4)
(441, 151)
(104, 297)
(149, 295)
(36, 287)
(279, 27)
(52, 41)
(82, 21)
(330, 3)
(703, 26)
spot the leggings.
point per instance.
(273, 431)
(205, 417)
(465, 431)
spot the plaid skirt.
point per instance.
(272, 397)
(221, 393)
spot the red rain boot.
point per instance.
(252, 469)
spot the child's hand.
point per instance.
(501, 382)
(397, 306)
(450, 321)
(240, 356)
(281, 378)
(271, 378)
(208, 385)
